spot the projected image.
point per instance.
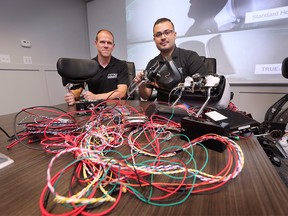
(231, 15)
(203, 14)
(249, 38)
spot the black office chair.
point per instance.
(210, 64)
(285, 68)
(272, 133)
(131, 76)
(276, 116)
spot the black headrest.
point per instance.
(76, 70)
(285, 68)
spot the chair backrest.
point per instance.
(210, 64)
(131, 76)
(285, 68)
(278, 112)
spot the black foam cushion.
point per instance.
(76, 70)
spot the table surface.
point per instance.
(257, 190)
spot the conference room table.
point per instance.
(256, 190)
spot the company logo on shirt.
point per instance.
(112, 76)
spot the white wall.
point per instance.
(108, 14)
(55, 28)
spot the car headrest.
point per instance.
(74, 70)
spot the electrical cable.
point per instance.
(157, 168)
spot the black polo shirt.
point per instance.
(187, 60)
(107, 79)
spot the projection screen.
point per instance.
(249, 38)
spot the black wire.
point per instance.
(10, 137)
(31, 108)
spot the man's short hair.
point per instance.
(101, 30)
(161, 20)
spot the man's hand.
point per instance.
(87, 95)
(139, 77)
(69, 98)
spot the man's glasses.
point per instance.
(166, 33)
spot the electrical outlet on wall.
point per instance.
(4, 58)
(27, 59)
